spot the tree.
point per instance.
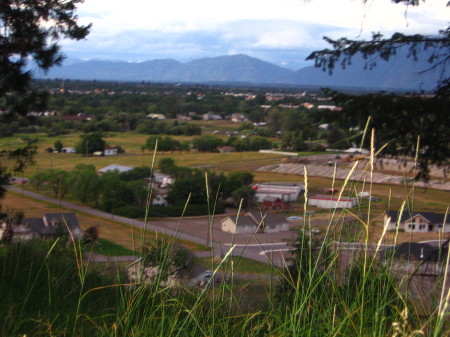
(207, 143)
(30, 30)
(167, 165)
(85, 183)
(236, 180)
(164, 144)
(19, 158)
(138, 173)
(58, 146)
(90, 143)
(13, 217)
(91, 235)
(400, 122)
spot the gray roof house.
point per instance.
(255, 222)
(421, 269)
(418, 222)
(47, 226)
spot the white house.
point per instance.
(110, 151)
(418, 222)
(162, 180)
(255, 222)
(211, 117)
(68, 150)
(287, 192)
(113, 167)
(238, 118)
(331, 201)
(156, 116)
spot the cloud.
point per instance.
(283, 32)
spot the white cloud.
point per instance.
(145, 29)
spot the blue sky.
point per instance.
(283, 32)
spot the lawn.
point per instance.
(237, 264)
(108, 248)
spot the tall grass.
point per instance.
(48, 289)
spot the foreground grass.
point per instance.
(47, 291)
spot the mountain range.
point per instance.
(400, 73)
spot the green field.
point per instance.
(133, 156)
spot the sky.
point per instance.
(282, 32)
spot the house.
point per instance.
(162, 180)
(238, 118)
(181, 117)
(114, 167)
(418, 222)
(110, 151)
(226, 149)
(331, 201)
(211, 117)
(255, 222)
(46, 227)
(424, 267)
(238, 225)
(68, 150)
(156, 116)
(287, 192)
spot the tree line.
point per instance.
(129, 193)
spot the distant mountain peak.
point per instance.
(393, 75)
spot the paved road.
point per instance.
(109, 216)
(271, 248)
(249, 246)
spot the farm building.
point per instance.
(287, 192)
(331, 201)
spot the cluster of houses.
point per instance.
(160, 183)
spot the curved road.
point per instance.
(220, 248)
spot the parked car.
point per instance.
(315, 230)
(207, 275)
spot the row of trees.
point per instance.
(108, 191)
(200, 187)
(207, 143)
(121, 192)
